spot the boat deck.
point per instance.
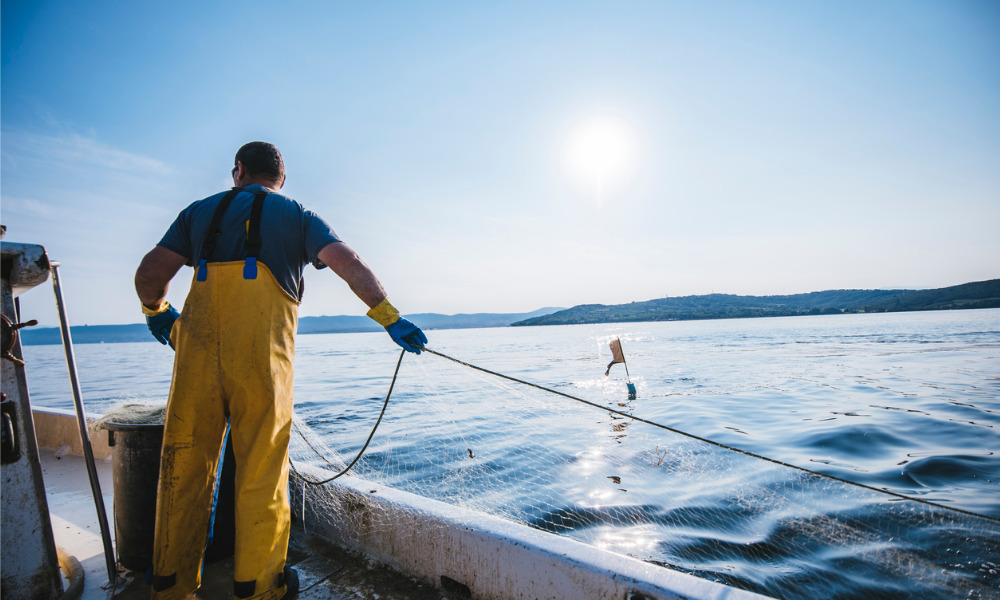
(325, 572)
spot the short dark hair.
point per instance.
(261, 159)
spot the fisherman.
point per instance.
(235, 343)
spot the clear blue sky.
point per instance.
(769, 147)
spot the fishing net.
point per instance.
(131, 412)
(606, 476)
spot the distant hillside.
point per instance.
(982, 294)
(109, 334)
(86, 334)
(352, 324)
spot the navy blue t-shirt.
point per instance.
(291, 236)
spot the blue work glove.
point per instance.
(161, 323)
(407, 335)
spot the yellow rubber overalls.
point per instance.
(235, 343)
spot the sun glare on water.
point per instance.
(600, 155)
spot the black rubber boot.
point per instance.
(291, 583)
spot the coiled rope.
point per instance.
(633, 418)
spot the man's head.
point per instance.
(260, 163)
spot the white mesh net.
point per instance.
(541, 459)
(132, 412)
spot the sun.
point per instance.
(600, 154)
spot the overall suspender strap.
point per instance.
(213, 232)
(253, 236)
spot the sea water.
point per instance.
(905, 402)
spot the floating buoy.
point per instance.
(617, 356)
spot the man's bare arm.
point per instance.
(349, 266)
(155, 271)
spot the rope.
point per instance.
(717, 444)
(363, 448)
(633, 418)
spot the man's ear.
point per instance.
(240, 172)
(281, 183)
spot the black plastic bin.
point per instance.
(135, 455)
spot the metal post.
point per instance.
(88, 451)
(29, 562)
